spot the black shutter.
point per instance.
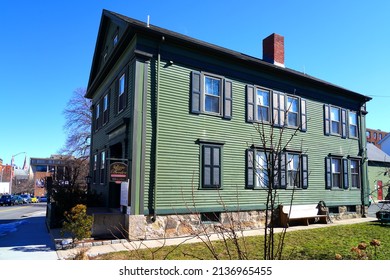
(250, 103)
(305, 172)
(303, 115)
(345, 174)
(228, 100)
(343, 123)
(283, 170)
(249, 169)
(327, 119)
(328, 171)
(196, 92)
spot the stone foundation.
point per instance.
(141, 227)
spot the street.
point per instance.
(23, 233)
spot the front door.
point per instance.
(380, 190)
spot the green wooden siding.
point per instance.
(179, 154)
(376, 172)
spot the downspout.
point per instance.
(157, 127)
(363, 153)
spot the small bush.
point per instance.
(78, 223)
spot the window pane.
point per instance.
(336, 165)
(105, 103)
(355, 180)
(207, 176)
(335, 114)
(216, 176)
(212, 86)
(262, 113)
(263, 97)
(122, 84)
(336, 180)
(335, 127)
(207, 156)
(292, 119)
(261, 170)
(292, 104)
(353, 131)
(212, 104)
(216, 156)
(352, 118)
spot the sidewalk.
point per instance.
(96, 247)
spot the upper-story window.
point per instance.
(353, 127)
(95, 158)
(263, 104)
(97, 116)
(211, 94)
(368, 134)
(292, 111)
(115, 39)
(335, 121)
(380, 136)
(374, 135)
(105, 109)
(121, 92)
(276, 108)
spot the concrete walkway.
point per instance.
(102, 247)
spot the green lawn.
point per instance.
(312, 244)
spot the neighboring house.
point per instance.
(180, 114)
(378, 172)
(54, 166)
(385, 144)
(374, 136)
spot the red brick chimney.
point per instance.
(273, 49)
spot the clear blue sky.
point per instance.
(46, 52)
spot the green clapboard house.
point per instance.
(181, 115)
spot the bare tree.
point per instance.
(78, 117)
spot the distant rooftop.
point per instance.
(376, 154)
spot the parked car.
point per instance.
(17, 199)
(42, 199)
(26, 198)
(6, 199)
(34, 199)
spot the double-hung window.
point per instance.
(95, 159)
(102, 167)
(211, 94)
(337, 172)
(284, 169)
(353, 128)
(121, 92)
(105, 109)
(293, 170)
(263, 104)
(97, 116)
(211, 166)
(355, 174)
(276, 108)
(292, 111)
(335, 121)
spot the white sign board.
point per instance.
(4, 187)
(125, 193)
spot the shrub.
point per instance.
(78, 223)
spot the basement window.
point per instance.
(210, 217)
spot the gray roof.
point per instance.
(376, 154)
